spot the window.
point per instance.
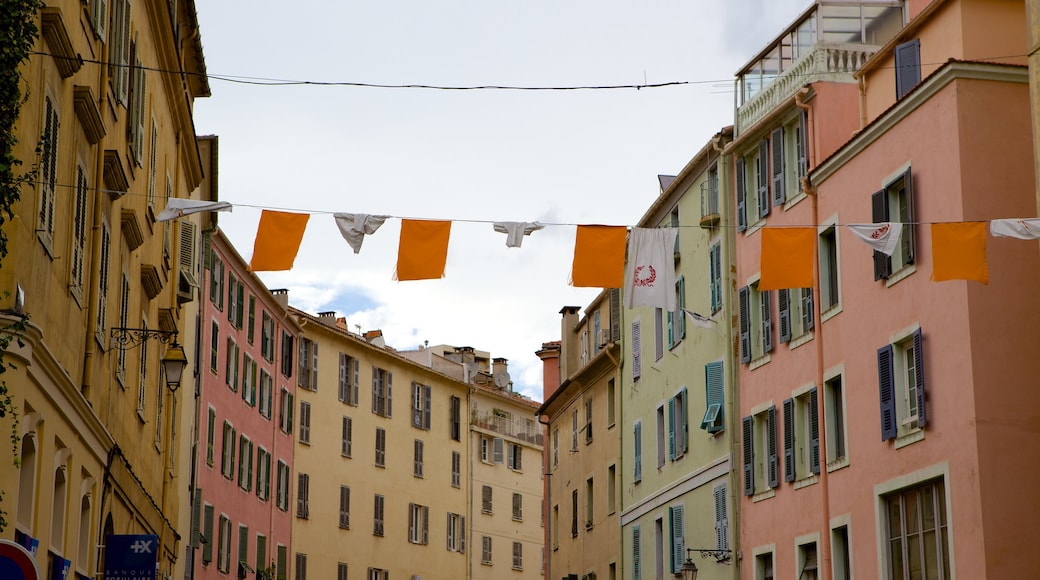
(232, 297)
(102, 297)
(556, 527)
(908, 66)
(662, 428)
(216, 282)
(556, 447)
(243, 543)
(515, 457)
(611, 490)
(801, 436)
(245, 463)
(589, 505)
(456, 418)
(902, 387)
(588, 421)
(841, 553)
(418, 469)
(756, 323)
(518, 507)
(895, 203)
(485, 449)
(610, 403)
(676, 318)
(136, 107)
(267, 336)
(677, 523)
(48, 173)
(266, 389)
(485, 550)
(211, 423)
(830, 296)
(287, 354)
(721, 518)
(574, 513)
(231, 367)
(124, 321)
(637, 455)
(261, 552)
(207, 532)
(636, 553)
(714, 398)
(263, 473)
(764, 566)
(308, 378)
(761, 468)
(79, 229)
(485, 500)
(456, 469)
(917, 532)
(456, 533)
(283, 562)
(249, 369)
(637, 350)
(715, 276)
(418, 524)
(574, 430)
(678, 429)
(227, 454)
(378, 574)
(658, 334)
(382, 384)
(142, 377)
(282, 490)
(421, 406)
(341, 571)
(303, 485)
(224, 544)
(285, 417)
(344, 507)
(305, 422)
(214, 342)
(301, 566)
(795, 308)
(251, 325)
(377, 516)
(346, 446)
(380, 447)
(753, 195)
(349, 370)
(518, 556)
(834, 413)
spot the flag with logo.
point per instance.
(650, 271)
(883, 237)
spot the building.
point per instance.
(246, 361)
(873, 443)
(582, 421)
(96, 447)
(677, 395)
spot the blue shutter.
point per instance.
(803, 145)
(886, 386)
(680, 304)
(721, 518)
(808, 315)
(671, 428)
(685, 415)
(637, 442)
(814, 431)
(671, 329)
(714, 387)
(774, 461)
(749, 447)
(776, 141)
(908, 66)
(763, 178)
(741, 187)
(879, 213)
(745, 324)
(675, 515)
(784, 308)
(767, 322)
(789, 465)
(922, 414)
(715, 268)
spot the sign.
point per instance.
(131, 557)
(59, 567)
(26, 541)
(16, 563)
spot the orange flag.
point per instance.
(959, 252)
(423, 249)
(787, 258)
(277, 240)
(599, 257)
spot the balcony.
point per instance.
(829, 42)
(710, 201)
(524, 430)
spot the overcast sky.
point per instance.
(567, 157)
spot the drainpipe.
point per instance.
(548, 502)
(862, 103)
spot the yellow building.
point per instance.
(380, 480)
(583, 462)
(95, 444)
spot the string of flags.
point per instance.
(599, 261)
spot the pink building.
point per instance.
(886, 417)
(245, 418)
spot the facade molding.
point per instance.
(718, 468)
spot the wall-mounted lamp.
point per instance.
(173, 362)
(689, 568)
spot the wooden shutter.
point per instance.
(886, 387)
(808, 316)
(763, 178)
(721, 518)
(671, 428)
(462, 534)
(741, 187)
(908, 66)
(715, 267)
(348, 427)
(412, 536)
(635, 553)
(196, 517)
(879, 213)
(388, 388)
(803, 144)
(499, 449)
(426, 407)
(789, 463)
(314, 366)
(745, 324)
(747, 425)
(714, 387)
(776, 142)
(676, 519)
(773, 470)
(767, 321)
(425, 525)
(910, 218)
(814, 431)
(684, 421)
(377, 392)
(784, 308)
(207, 532)
(356, 382)
(344, 385)
(922, 413)
(637, 441)
(637, 350)
(615, 315)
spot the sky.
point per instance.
(563, 157)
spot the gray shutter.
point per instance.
(886, 387)
(749, 446)
(344, 385)
(911, 217)
(377, 395)
(908, 66)
(879, 213)
(615, 315)
(767, 322)
(789, 465)
(784, 308)
(922, 414)
(814, 431)
(637, 350)
(463, 535)
(426, 409)
(448, 535)
(411, 521)
(808, 316)
(314, 366)
(635, 553)
(196, 517)
(637, 441)
(741, 187)
(499, 445)
(763, 178)
(776, 141)
(425, 525)
(803, 145)
(745, 324)
(671, 428)
(388, 387)
(357, 381)
(678, 542)
(721, 518)
(716, 302)
(774, 463)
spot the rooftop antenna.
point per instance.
(358, 327)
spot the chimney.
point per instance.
(327, 318)
(467, 353)
(282, 296)
(341, 323)
(375, 338)
(499, 365)
(570, 349)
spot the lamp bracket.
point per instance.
(128, 338)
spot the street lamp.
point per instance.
(689, 569)
(173, 362)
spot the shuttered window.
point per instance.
(344, 506)
(741, 188)
(636, 549)
(637, 351)
(901, 385)
(776, 145)
(637, 442)
(721, 518)
(714, 394)
(678, 551)
(762, 175)
(349, 370)
(908, 66)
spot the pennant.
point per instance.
(599, 257)
(1023, 229)
(959, 252)
(699, 320)
(277, 240)
(787, 258)
(355, 226)
(179, 207)
(423, 249)
(650, 270)
(515, 231)
(883, 237)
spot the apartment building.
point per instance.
(100, 281)
(869, 422)
(582, 417)
(677, 387)
(247, 366)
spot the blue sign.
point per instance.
(16, 563)
(26, 541)
(59, 567)
(132, 557)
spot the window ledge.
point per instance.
(753, 228)
(758, 362)
(806, 481)
(793, 201)
(831, 312)
(488, 562)
(910, 438)
(798, 341)
(840, 463)
(903, 272)
(762, 496)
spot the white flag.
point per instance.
(883, 237)
(1023, 229)
(515, 231)
(650, 271)
(699, 320)
(355, 226)
(179, 207)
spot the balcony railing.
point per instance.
(521, 429)
(710, 201)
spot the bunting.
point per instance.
(787, 258)
(1023, 229)
(355, 226)
(650, 271)
(177, 207)
(277, 240)
(515, 231)
(423, 249)
(599, 257)
(959, 252)
(883, 237)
